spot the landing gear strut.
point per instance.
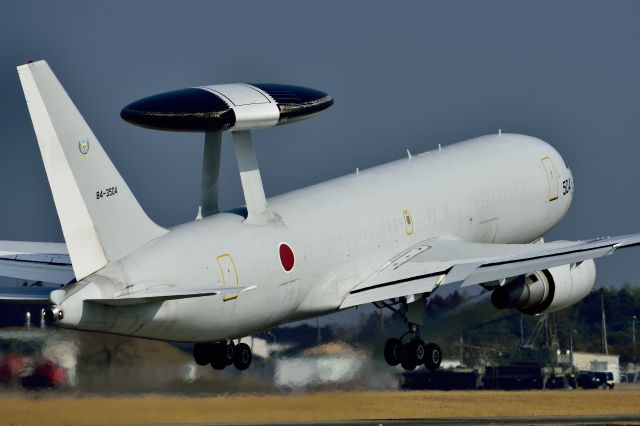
(223, 354)
(413, 352)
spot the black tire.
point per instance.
(407, 357)
(242, 356)
(392, 351)
(229, 353)
(433, 356)
(218, 359)
(202, 353)
(419, 349)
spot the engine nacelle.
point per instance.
(547, 290)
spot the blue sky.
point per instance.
(403, 75)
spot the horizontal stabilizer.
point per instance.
(32, 295)
(162, 294)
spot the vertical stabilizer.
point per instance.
(101, 219)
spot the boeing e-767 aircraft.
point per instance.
(472, 213)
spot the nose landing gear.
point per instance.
(222, 354)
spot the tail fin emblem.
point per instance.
(83, 147)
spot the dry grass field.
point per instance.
(154, 409)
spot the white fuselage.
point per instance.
(498, 188)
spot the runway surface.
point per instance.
(548, 420)
(340, 408)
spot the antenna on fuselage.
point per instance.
(254, 196)
(210, 174)
(238, 108)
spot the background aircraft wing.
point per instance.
(431, 263)
(31, 295)
(31, 261)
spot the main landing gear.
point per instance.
(223, 354)
(413, 351)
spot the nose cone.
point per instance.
(186, 110)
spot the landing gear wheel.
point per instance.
(242, 356)
(407, 357)
(419, 351)
(218, 355)
(202, 353)
(433, 356)
(392, 351)
(229, 353)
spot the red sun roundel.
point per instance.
(287, 258)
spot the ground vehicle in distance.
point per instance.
(606, 378)
(588, 380)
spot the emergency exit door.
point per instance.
(228, 271)
(552, 177)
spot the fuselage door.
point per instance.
(552, 177)
(228, 271)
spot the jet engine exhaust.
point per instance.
(524, 292)
(548, 290)
(51, 315)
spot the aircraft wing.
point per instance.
(431, 263)
(46, 262)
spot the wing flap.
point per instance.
(392, 290)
